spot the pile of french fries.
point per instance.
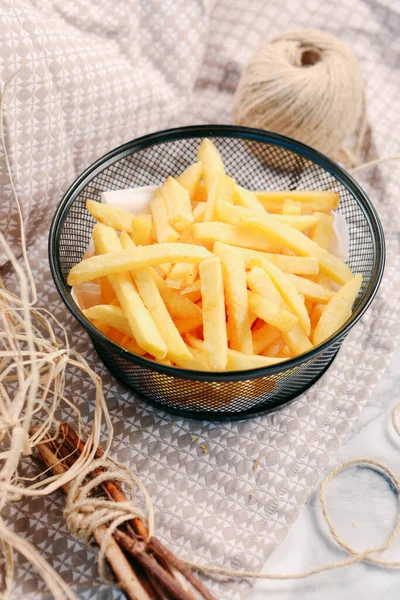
(217, 277)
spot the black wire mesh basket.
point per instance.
(257, 160)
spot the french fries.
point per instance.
(214, 323)
(298, 265)
(236, 235)
(247, 199)
(142, 326)
(310, 200)
(193, 291)
(128, 260)
(237, 214)
(181, 275)
(211, 159)
(176, 348)
(178, 305)
(216, 277)
(310, 290)
(322, 230)
(301, 244)
(190, 178)
(337, 311)
(287, 290)
(220, 190)
(238, 361)
(113, 217)
(177, 201)
(111, 316)
(296, 340)
(234, 274)
(163, 229)
(264, 337)
(260, 282)
(271, 313)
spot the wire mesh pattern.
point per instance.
(256, 160)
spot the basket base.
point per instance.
(251, 413)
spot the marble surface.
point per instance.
(363, 508)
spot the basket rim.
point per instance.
(229, 131)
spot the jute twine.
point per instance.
(307, 85)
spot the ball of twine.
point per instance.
(304, 84)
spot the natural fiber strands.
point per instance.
(304, 84)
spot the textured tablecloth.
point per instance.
(178, 63)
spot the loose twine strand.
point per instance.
(33, 366)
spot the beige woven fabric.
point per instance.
(100, 73)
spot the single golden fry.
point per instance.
(287, 290)
(298, 265)
(321, 232)
(164, 230)
(108, 215)
(177, 202)
(234, 274)
(235, 235)
(237, 215)
(211, 159)
(110, 316)
(296, 340)
(337, 311)
(271, 313)
(264, 337)
(310, 290)
(176, 348)
(300, 222)
(129, 260)
(301, 244)
(214, 319)
(310, 200)
(142, 230)
(291, 207)
(190, 178)
(141, 323)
